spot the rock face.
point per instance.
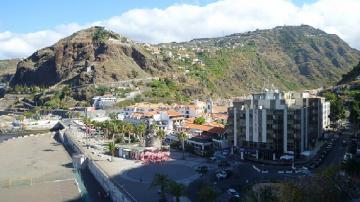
(7, 69)
(89, 56)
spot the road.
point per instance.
(335, 156)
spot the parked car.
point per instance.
(233, 193)
(213, 158)
(347, 156)
(312, 166)
(221, 175)
(225, 153)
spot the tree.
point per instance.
(87, 123)
(337, 109)
(176, 189)
(20, 118)
(128, 129)
(140, 132)
(352, 167)
(160, 134)
(111, 148)
(113, 115)
(153, 128)
(117, 128)
(199, 120)
(182, 137)
(66, 92)
(207, 194)
(264, 194)
(354, 117)
(69, 114)
(291, 193)
(161, 181)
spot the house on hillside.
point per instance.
(102, 102)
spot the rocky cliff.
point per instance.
(92, 55)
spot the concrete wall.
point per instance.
(117, 194)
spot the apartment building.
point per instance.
(273, 124)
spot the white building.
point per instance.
(101, 102)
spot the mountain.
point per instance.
(287, 57)
(93, 55)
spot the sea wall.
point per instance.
(117, 193)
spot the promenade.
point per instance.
(36, 168)
(132, 176)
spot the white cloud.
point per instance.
(185, 22)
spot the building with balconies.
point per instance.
(273, 124)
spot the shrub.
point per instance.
(199, 120)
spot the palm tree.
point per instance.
(182, 137)
(87, 122)
(151, 132)
(160, 134)
(111, 148)
(153, 129)
(176, 189)
(207, 194)
(113, 127)
(129, 129)
(161, 181)
(140, 132)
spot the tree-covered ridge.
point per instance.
(352, 75)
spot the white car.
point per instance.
(233, 193)
(221, 175)
(347, 156)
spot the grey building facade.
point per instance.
(273, 124)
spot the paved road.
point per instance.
(335, 156)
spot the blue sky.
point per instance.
(33, 15)
(29, 16)
(28, 25)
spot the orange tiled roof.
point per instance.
(172, 113)
(197, 127)
(215, 124)
(189, 120)
(207, 128)
(219, 116)
(151, 113)
(220, 109)
(137, 115)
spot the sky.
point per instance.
(26, 26)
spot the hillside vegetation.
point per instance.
(289, 58)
